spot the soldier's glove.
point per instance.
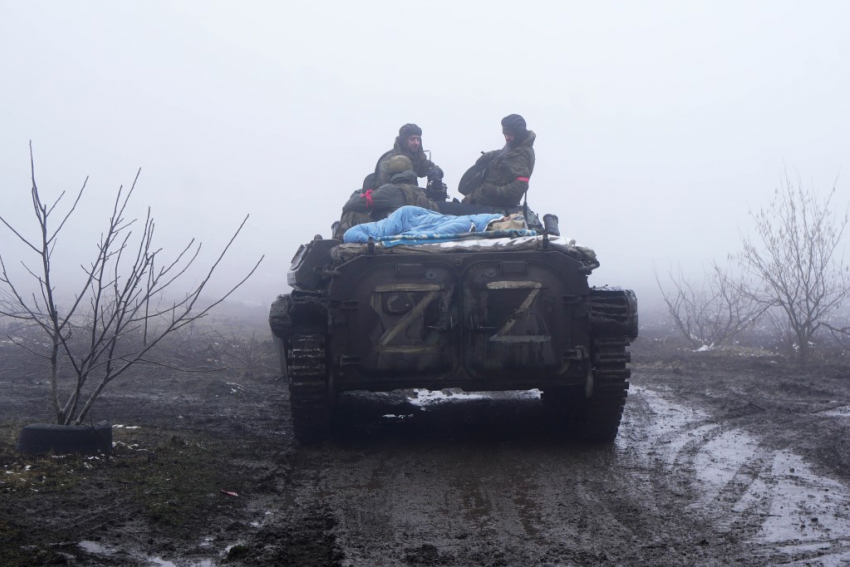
(435, 175)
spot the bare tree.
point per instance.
(122, 289)
(795, 258)
(839, 328)
(248, 355)
(712, 312)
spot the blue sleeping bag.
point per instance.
(416, 223)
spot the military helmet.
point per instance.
(397, 164)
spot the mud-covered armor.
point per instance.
(509, 315)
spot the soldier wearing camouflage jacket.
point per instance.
(500, 178)
(376, 204)
(408, 143)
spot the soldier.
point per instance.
(408, 143)
(376, 204)
(500, 178)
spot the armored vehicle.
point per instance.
(476, 314)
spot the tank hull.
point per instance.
(484, 321)
(474, 321)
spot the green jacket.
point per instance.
(421, 164)
(500, 178)
(349, 219)
(376, 204)
(380, 202)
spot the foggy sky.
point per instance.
(659, 124)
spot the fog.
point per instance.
(659, 124)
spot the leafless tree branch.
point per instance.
(713, 312)
(121, 328)
(794, 258)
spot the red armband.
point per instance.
(368, 196)
(522, 179)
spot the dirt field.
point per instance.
(723, 458)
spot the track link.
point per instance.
(601, 413)
(596, 418)
(308, 388)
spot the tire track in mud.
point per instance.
(767, 498)
(419, 504)
(294, 524)
(490, 484)
(485, 481)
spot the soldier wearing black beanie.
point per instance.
(409, 130)
(514, 124)
(500, 178)
(409, 144)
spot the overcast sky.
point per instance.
(659, 124)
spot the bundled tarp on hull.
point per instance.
(417, 223)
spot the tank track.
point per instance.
(299, 320)
(613, 312)
(613, 326)
(613, 316)
(309, 397)
(600, 414)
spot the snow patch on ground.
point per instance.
(843, 411)
(425, 397)
(431, 397)
(94, 548)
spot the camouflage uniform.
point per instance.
(500, 178)
(421, 164)
(351, 218)
(401, 191)
(376, 204)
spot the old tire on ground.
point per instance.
(38, 438)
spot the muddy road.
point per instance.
(722, 458)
